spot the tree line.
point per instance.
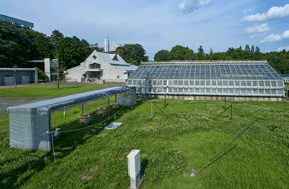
(278, 60)
(19, 46)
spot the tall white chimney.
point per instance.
(105, 45)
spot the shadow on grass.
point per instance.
(66, 144)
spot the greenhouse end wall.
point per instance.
(29, 128)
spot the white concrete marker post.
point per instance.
(134, 167)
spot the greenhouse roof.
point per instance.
(73, 99)
(243, 70)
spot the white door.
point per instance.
(9, 80)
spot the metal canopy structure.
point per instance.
(29, 124)
(224, 78)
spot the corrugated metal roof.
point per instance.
(17, 69)
(128, 68)
(73, 99)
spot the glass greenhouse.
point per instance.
(213, 78)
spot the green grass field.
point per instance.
(170, 148)
(286, 86)
(45, 91)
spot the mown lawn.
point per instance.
(45, 91)
(170, 148)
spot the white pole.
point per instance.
(105, 45)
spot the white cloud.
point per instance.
(275, 37)
(274, 12)
(247, 10)
(281, 48)
(188, 6)
(257, 29)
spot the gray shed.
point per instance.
(29, 124)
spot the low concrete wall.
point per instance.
(230, 98)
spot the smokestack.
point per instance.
(108, 44)
(105, 46)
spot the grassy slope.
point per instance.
(44, 91)
(170, 148)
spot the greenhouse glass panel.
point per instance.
(237, 91)
(249, 91)
(273, 91)
(159, 90)
(138, 82)
(261, 91)
(280, 91)
(154, 90)
(154, 82)
(134, 82)
(175, 82)
(138, 89)
(202, 83)
(175, 90)
(186, 90)
(225, 90)
(181, 90)
(243, 91)
(267, 83)
(196, 90)
(237, 83)
(219, 83)
(274, 84)
(208, 90)
(267, 91)
(208, 83)
(213, 83)
(192, 82)
(219, 90)
(202, 90)
(243, 83)
(143, 90)
(231, 90)
(255, 83)
(214, 90)
(280, 83)
(197, 83)
(129, 82)
(192, 90)
(164, 90)
(261, 83)
(225, 83)
(149, 89)
(180, 82)
(249, 83)
(186, 82)
(170, 89)
(165, 82)
(255, 91)
(170, 82)
(231, 83)
(159, 82)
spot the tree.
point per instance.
(132, 53)
(179, 52)
(252, 49)
(220, 56)
(14, 46)
(211, 51)
(162, 55)
(200, 53)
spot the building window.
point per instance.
(94, 66)
(94, 57)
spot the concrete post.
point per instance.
(36, 75)
(47, 69)
(134, 167)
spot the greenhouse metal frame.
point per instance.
(208, 78)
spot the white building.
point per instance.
(101, 67)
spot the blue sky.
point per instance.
(162, 24)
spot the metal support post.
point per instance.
(108, 107)
(15, 76)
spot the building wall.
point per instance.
(109, 73)
(19, 75)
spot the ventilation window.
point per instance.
(115, 58)
(94, 57)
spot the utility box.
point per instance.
(134, 167)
